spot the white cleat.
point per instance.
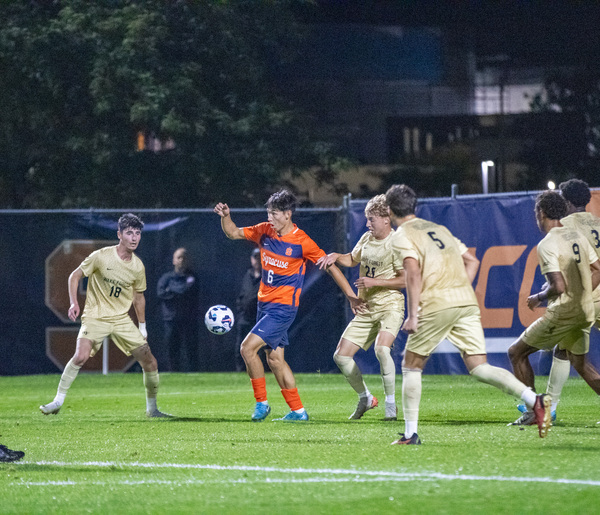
(391, 411)
(51, 409)
(526, 419)
(157, 414)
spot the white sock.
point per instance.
(410, 428)
(411, 398)
(528, 397)
(559, 373)
(66, 380)
(502, 379)
(151, 382)
(390, 399)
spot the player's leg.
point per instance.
(256, 371)
(559, 374)
(538, 406)
(151, 378)
(127, 337)
(383, 352)
(467, 335)
(287, 382)
(519, 353)
(344, 359)
(83, 351)
(586, 370)
(480, 369)
(412, 370)
(433, 328)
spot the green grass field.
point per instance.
(101, 455)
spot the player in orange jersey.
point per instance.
(284, 250)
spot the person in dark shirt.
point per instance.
(178, 292)
(246, 304)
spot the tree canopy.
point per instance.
(193, 83)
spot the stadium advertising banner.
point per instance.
(503, 233)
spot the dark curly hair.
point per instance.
(283, 200)
(552, 204)
(576, 191)
(130, 220)
(402, 200)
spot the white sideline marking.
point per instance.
(357, 475)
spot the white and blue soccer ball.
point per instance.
(219, 319)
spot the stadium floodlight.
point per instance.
(485, 167)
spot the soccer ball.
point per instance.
(219, 319)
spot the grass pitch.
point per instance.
(101, 455)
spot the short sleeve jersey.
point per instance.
(111, 283)
(567, 251)
(439, 254)
(378, 261)
(588, 225)
(283, 262)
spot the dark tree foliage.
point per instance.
(572, 147)
(80, 80)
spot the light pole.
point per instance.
(485, 172)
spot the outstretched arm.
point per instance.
(414, 283)
(357, 305)
(336, 259)
(232, 231)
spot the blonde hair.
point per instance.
(377, 206)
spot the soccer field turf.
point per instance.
(100, 454)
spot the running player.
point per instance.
(284, 250)
(441, 304)
(116, 280)
(380, 279)
(577, 194)
(572, 271)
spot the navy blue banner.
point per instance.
(40, 249)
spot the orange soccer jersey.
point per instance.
(283, 262)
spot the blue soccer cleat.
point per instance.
(261, 411)
(292, 416)
(522, 408)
